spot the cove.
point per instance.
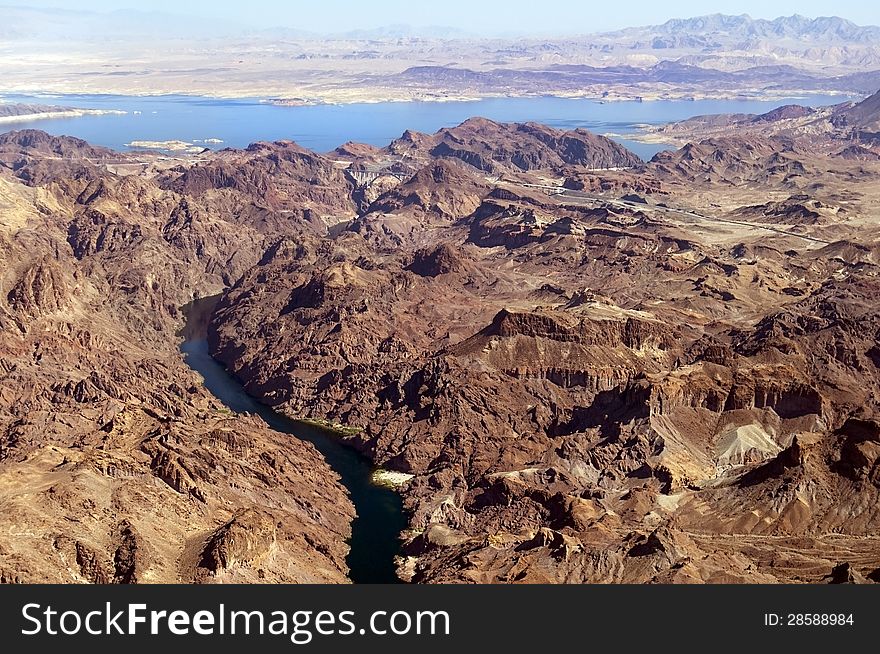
(375, 532)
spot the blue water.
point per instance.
(375, 532)
(240, 122)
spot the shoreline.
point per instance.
(380, 96)
(51, 115)
(643, 135)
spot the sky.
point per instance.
(473, 16)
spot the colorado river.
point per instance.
(375, 532)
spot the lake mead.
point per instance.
(217, 123)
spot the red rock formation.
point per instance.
(496, 147)
(583, 390)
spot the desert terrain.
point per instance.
(713, 56)
(583, 366)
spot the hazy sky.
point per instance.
(477, 16)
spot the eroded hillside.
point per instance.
(594, 368)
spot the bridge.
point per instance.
(364, 178)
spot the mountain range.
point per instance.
(825, 30)
(21, 22)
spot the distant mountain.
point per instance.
(402, 31)
(716, 27)
(709, 56)
(702, 32)
(383, 33)
(738, 42)
(573, 78)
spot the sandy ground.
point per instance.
(335, 72)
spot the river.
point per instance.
(239, 122)
(375, 532)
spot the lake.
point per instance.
(239, 122)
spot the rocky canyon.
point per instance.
(588, 367)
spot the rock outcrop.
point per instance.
(494, 148)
